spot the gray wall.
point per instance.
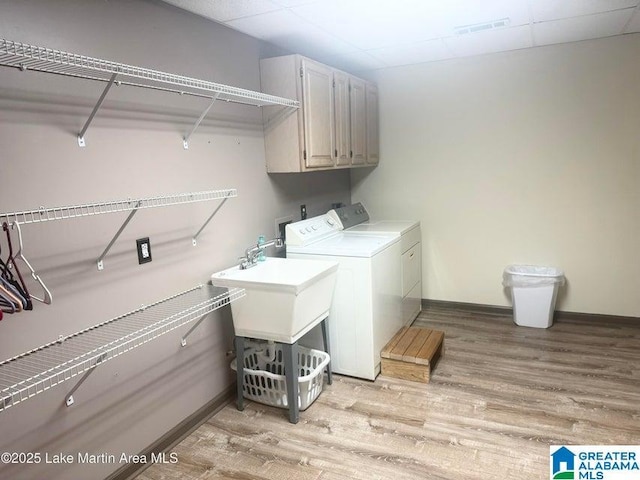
(530, 156)
(134, 149)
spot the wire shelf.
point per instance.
(42, 59)
(42, 368)
(74, 211)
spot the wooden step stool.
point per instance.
(412, 353)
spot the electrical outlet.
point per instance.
(303, 212)
(280, 226)
(144, 250)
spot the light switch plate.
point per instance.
(144, 250)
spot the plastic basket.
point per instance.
(265, 381)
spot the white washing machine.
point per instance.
(367, 303)
(355, 219)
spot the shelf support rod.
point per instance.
(69, 400)
(183, 341)
(118, 233)
(284, 113)
(185, 140)
(194, 240)
(95, 110)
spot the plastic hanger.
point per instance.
(15, 291)
(9, 277)
(6, 305)
(47, 298)
(10, 298)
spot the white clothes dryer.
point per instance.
(355, 219)
(367, 303)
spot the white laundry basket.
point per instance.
(534, 291)
(265, 382)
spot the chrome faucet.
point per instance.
(251, 255)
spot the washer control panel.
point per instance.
(311, 230)
(350, 215)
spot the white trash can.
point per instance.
(534, 291)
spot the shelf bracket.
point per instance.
(194, 240)
(81, 142)
(183, 341)
(185, 140)
(69, 400)
(278, 118)
(118, 233)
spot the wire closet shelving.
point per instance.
(16, 219)
(43, 59)
(42, 368)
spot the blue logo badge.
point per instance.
(563, 464)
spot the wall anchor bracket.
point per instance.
(194, 240)
(183, 340)
(185, 140)
(69, 400)
(118, 233)
(81, 141)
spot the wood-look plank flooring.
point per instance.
(500, 395)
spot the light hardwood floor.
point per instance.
(498, 398)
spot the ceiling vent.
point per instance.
(481, 27)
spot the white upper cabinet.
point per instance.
(373, 146)
(318, 112)
(342, 115)
(332, 129)
(358, 152)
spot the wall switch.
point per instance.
(144, 250)
(303, 212)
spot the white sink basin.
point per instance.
(285, 298)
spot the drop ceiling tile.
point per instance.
(469, 12)
(545, 10)
(429, 51)
(364, 24)
(634, 24)
(376, 24)
(354, 61)
(580, 28)
(224, 10)
(293, 3)
(501, 39)
(286, 30)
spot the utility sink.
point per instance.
(285, 297)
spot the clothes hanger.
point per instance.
(12, 299)
(21, 286)
(14, 291)
(47, 298)
(6, 305)
(12, 286)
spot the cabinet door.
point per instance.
(319, 120)
(357, 100)
(373, 148)
(343, 126)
